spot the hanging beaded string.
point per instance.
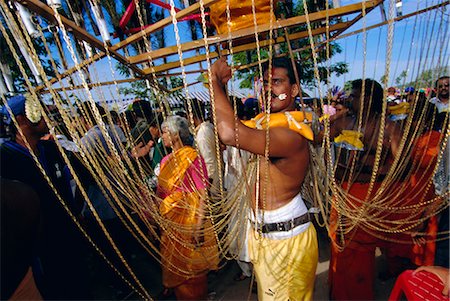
(8, 17)
(236, 119)
(213, 109)
(213, 103)
(99, 167)
(148, 48)
(140, 186)
(393, 174)
(108, 139)
(336, 203)
(160, 220)
(396, 164)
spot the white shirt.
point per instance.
(206, 144)
(441, 106)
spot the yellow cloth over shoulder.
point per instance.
(294, 120)
(181, 258)
(401, 108)
(350, 138)
(172, 174)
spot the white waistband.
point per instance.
(296, 207)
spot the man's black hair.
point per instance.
(142, 109)
(373, 90)
(198, 109)
(89, 113)
(440, 78)
(156, 120)
(286, 63)
(130, 117)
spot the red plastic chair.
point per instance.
(421, 286)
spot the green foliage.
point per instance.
(383, 79)
(348, 86)
(6, 56)
(139, 88)
(425, 79)
(400, 78)
(428, 77)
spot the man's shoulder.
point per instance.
(205, 129)
(91, 133)
(295, 140)
(434, 100)
(11, 147)
(206, 126)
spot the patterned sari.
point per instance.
(182, 180)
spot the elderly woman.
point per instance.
(188, 245)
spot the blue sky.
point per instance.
(416, 47)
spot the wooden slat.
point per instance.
(249, 32)
(162, 23)
(338, 37)
(445, 3)
(93, 85)
(180, 73)
(240, 48)
(72, 70)
(176, 64)
(47, 13)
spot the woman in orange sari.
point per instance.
(188, 244)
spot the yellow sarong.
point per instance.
(181, 258)
(285, 269)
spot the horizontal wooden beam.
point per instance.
(180, 73)
(430, 8)
(72, 70)
(93, 85)
(46, 12)
(245, 47)
(161, 24)
(250, 32)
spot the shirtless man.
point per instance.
(283, 243)
(352, 269)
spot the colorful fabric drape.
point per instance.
(294, 120)
(241, 15)
(350, 140)
(183, 175)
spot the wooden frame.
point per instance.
(133, 62)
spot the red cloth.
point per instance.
(352, 270)
(424, 155)
(420, 286)
(351, 273)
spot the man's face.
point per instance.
(442, 89)
(340, 109)
(283, 92)
(355, 98)
(39, 129)
(154, 131)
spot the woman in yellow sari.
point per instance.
(188, 244)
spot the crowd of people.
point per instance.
(191, 165)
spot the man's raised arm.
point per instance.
(283, 142)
